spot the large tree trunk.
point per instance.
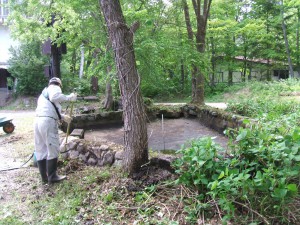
(55, 61)
(135, 126)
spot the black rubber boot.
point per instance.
(52, 175)
(42, 165)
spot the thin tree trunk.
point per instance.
(201, 12)
(190, 37)
(297, 40)
(287, 43)
(268, 70)
(108, 102)
(244, 74)
(182, 76)
(230, 77)
(73, 61)
(135, 126)
(81, 62)
(213, 62)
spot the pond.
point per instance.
(169, 135)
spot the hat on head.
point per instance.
(55, 80)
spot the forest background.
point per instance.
(164, 50)
(259, 182)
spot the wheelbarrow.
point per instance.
(8, 126)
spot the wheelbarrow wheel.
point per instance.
(8, 128)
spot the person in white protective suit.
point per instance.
(48, 114)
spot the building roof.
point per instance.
(4, 65)
(261, 61)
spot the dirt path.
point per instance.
(16, 147)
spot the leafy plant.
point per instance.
(200, 164)
(27, 66)
(262, 171)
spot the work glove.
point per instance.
(66, 118)
(72, 97)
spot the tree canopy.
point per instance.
(165, 55)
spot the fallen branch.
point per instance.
(252, 210)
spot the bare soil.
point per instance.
(167, 134)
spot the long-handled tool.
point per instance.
(69, 125)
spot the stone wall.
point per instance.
(214, 118)
(94, 120)
(92, 153)
(211, 117)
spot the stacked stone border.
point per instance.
(108, 154)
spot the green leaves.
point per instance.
(263, 169)
(200, 163)
(27, 65)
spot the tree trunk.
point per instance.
(287, 43)
(230, 77)
(297, 40)
(55, 61)
(201, 12)
(135, 126)
(73, 62)
(269, 78)
(182, 72)
(213, 62)
(108, 102)
(81, 62)
(190, 37)
(244, 73)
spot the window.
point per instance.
(4, 10)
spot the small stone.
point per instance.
(100, 163)
(92, 161)
(82, 157)
(119, 155)
(104, 148)
(74, 154)
(72, 145)
(108, 159)
(97, 151)
(214, 113)
(192, 112)
(118, 163)
(65, 155)
(80, 147)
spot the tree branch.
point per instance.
(135, 26)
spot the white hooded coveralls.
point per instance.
(46, 124)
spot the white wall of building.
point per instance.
(6, 40)
(5, 43)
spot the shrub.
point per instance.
(27, 65)
(260, 175)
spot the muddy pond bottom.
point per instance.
(172, 134)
